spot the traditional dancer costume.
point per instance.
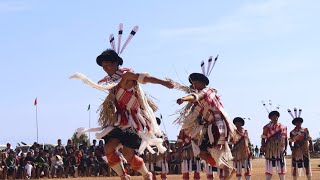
(126, 114)
(205, 120)
(274, 145)
(241, 153)
(158, 161)
(189, 161)
(300, 143)
(162, 159)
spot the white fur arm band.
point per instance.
(141, 78)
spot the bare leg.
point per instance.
(136, 163)
(113, 158)
(268, 176)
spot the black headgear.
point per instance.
(238, 119)
(109, 55)
(298, 119)
(198, 77)
(158, 120)
(274, 113)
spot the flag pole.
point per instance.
(36, 104)
(89, 108)
(37, 123)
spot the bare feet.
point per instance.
(125, 177)
(148, 176)
(229, 172)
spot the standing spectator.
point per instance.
(59, 148)
(93, 147)
(84, 147)
(256, 152)
(70, 147)
(8, 148)
(261, 154)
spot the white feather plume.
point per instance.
(289, 111)
(295, 112)
(300, 111)
(203, 67)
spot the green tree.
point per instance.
(77, 141)
(316, 145)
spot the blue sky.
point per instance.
(268, 50)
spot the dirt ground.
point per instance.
(257, 174)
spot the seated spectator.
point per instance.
(3, 168)
(71, 164)
(104, 168)
(21, 174)
(19, 152)
(57, 166)
(34, 146)
(42, 165)
(93, 165)
(11, 165)
(83, 165)
(29, 164)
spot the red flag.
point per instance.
(35, 102)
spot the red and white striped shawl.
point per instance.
(271, 130)
(210, 107)
(116, 77)
(298, 135)
(184, 138)
(127, 101)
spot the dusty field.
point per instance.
(257, 174)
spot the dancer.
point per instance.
(127, 115)
(274, 146)
(189, 162)
(240, 151)
(300, 144)
(205, 120)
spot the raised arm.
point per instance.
(186, 98)
(144, 78)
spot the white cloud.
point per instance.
(267, 18)
(12, 6)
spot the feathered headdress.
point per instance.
(115, 55)
(269, 106)
(205, 71)
(120, 32)
(297, 115)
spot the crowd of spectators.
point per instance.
(62, 161)
(59, 161)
